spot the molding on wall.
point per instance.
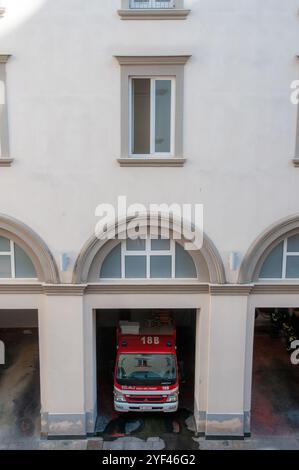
(13, 288)
(151, 288)
(275, 289)
(151, 162)
(64, 289)
(296, 162)
(147, 288)
(154, 14)
(4, 58)
(5, 162)
(230, 289)
(152, 59)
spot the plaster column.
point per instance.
(61, 337)
(227, 342)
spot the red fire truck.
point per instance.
(146, 372)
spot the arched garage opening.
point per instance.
(25, 262)
(271, 393)
(133, 279)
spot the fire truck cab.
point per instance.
(146, 371)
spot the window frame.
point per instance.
(152, 66)
(153, 4)
(285, 255)
(11, 254)
(153, 80)
(148, 253)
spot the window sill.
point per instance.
(153, 14)
(6, 161)
(153, 162)
(296, 162)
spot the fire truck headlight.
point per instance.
(172, 398)
(118, 396)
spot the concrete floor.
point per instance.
(275, 409)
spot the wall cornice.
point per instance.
(152, 59)
(4, 58)
(154, 14)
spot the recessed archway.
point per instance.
(99, 246)
(34, 247)
(263, 245)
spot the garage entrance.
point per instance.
(19, 376)
(107, 321)
(275, 391)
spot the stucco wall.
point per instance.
(63, 88)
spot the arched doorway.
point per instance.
(271, 380)
(135, 278)
(25, 263)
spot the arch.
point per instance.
(96, 243)
(263, 245)
(33, 246)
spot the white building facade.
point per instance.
(184, 102)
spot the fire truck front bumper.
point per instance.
(125, 407)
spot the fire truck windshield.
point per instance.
(146, 369)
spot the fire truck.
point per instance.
(146, 374)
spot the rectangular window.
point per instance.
(144, 4)
(152, 112)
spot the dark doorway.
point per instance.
(275, 391)
(19, 376)
(153, 423)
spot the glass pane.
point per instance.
(4, 244)
(184, 265)
(293, 244)
(111, 267)
(160, 244)
(163, 116)
(135, 267)
(292, 267)
(272, 267)
(141, 116)
(5, 266)
(161, 266)
(135, 245)
(24, 266)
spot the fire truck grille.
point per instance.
(146, 399)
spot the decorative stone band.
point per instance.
(152, 162)
(6, 161)
(85, 289)
(154, 14)
(4, 58)
(147, 288)
(152, 60)
(230, 289)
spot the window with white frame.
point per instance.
(14, 262)
(144, 4)
(148, 259)
(152, 115)
(283, 261)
